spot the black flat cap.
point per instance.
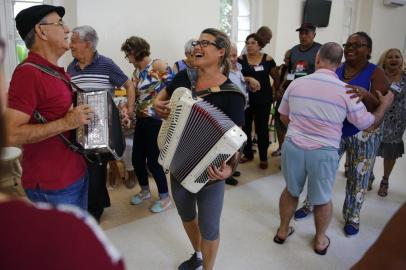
(306, 26)
(27, 18)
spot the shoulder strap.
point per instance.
(192, 75)
(38, 116)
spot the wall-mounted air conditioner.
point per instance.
(394, 3)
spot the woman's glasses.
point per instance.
(204, 43)
(354, 45)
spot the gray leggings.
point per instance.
(209, 203)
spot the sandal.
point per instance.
(383, 187)
(244, 159)
(323, 251)
(279, 240)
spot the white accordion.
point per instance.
(196, 135)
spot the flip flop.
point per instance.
(323, 251)
(279, 240)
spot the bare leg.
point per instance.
(287, 208)
(388, 165)
(322, 217)
(209, 251)
(193, 232)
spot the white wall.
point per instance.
(166, 25)
(388, 28)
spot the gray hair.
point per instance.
(87, 33)
(331, 52)
(188, 46)
(29, 39)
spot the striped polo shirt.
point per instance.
(102, 73)
(317, 105)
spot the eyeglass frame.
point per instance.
(59, 23)
(204, 41)
(251, 42)
(355, 46)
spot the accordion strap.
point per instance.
(227, 87)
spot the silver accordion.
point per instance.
(103, 135)
(196, 135)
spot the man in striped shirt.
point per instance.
(92, 71)
(315, 107)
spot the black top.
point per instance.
(261, 73)
(231, 103)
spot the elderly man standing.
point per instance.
(315, 107)
(92, 71)
(52, 172)
(303, 55)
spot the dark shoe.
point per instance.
(351, 229)
(263, 165)
(383, 188)
(244, 159)
(191, 264)
(279, 240)
(236, 174)
(302, 213)
(231, 181)
(323, 251)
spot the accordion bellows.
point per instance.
(195, 136)
(103, 135)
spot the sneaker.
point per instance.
(236, 173)
(302, 213)
(193, 263)
(140, 197)
(160, 206)
(231, 181)
(351, 229)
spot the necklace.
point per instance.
(349, 76)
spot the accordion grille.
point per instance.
(202, 179)
(204, 127)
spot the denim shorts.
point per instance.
(75, 194)
(319, 166)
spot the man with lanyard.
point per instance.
(52, 172)
(303, 55)
(92, 71)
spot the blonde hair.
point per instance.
(381, 61)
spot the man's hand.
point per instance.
(78, 116)
(221, 173)
(162, 108)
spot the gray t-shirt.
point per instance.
(302, 63)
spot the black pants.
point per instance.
(259, 113)
(98, 194)
(145, 150)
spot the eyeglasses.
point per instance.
(59, 23)
(251, 42)
(354, 45)
(204, 43)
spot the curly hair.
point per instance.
(137, 46)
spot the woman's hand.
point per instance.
(221, 173)
(357, 92)
(162, 108)
(253, 84)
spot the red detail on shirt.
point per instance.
(50, 163)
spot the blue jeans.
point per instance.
(75, 194)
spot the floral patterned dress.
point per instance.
(392, 146)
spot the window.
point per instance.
(235, 20)
(18, 5)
